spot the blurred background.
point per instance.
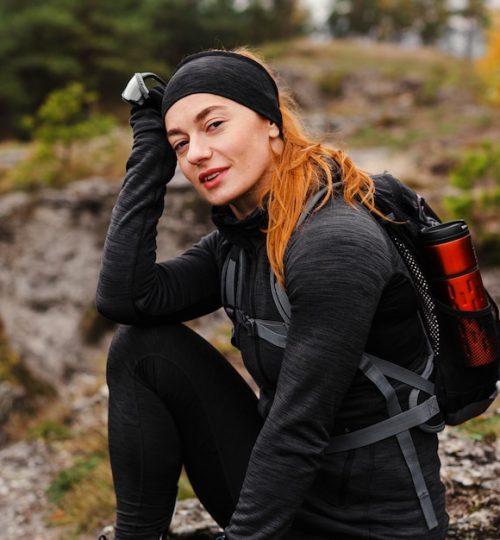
(408, 86)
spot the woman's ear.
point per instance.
(274, 130)
(275, 139)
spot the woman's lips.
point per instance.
(213, 177)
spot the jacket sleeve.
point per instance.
(336, 270)
(132, 288)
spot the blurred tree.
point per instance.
(389, 20)
(31, 55)
(475, 12)
(353, 18)
(46, 43)
(288, 19)
(180, 27)
(256, 22)
(110, 43)
(489, 66)
(431, 19)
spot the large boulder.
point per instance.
(50, 250)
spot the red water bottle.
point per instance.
(456, 281)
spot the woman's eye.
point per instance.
(179, 145)
(214, 125)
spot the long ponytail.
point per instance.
(300, 170)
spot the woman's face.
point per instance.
(223, 148)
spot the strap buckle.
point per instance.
(247, 322)
(250, 326)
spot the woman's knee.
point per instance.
(130, 344)
(129, 351)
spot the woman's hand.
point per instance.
(148, 127)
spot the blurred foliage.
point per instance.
(186, 491)
(488, 67)
(392, 20)
(47, 43)
(65, 118)
(482, 428)
(82, 494)
(14, 370)
(9, 360)
(476, 179)
(93, 326)
(331, 83)
(49, 430)
(67, 478)
(428, 93)
(477, 164)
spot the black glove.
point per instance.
(148, 127)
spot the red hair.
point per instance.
(300, 170)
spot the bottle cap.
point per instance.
(444, 232)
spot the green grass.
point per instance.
(185, 489)
(81, 496)
(483, 428)
(66, 479)
(49, 430)
(398, 139)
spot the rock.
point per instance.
(191, 520)
(9, 393)
(471, 474)
(50, 250)
(305, 89)
(11, 396)
(27, 469)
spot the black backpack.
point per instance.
(447, 390)
(463, 392)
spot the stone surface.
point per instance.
(50, 247)
(50, 250)
(471, 474)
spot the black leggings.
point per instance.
(175, 400)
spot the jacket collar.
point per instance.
(247, 232)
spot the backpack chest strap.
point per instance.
(398, 424)
(233, 280)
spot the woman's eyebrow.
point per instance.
(205, 112)
(198, 118)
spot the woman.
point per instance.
(261, 467)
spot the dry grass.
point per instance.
(105, 156)
(81, 496)
(350, 56)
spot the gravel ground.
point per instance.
(471, 473)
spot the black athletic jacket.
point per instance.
(349, 293)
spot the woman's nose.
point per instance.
(198, 150)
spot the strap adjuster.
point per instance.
(247, 322)
(250, 326)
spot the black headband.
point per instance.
(229, 75)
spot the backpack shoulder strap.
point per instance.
(279, 294)
(280, 299)
(232, 279)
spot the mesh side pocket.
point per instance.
(467, 366)
(471, 336)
